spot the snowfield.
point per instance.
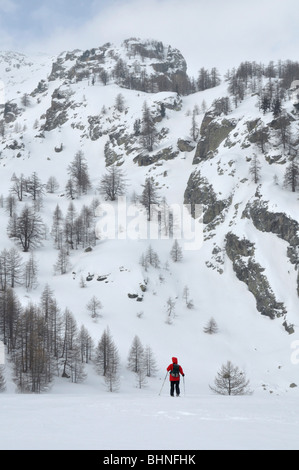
(145, 421)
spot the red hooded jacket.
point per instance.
(170, 368)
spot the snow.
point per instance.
(131, 421)
(87, 417)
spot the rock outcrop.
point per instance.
(279, 224)
(213, 132)
(56, 115)
(241, 253)
(140, 65)
(200, 192)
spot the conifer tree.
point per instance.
(230, 381)
(166, 219)
(113, 183)
(104, 76)
(30, 273)
(149, 196)
(276, 107)
(211, 327)
(189, 302)
(150, 363)
(25, 100)
(291, 176)
(148, 129)
(194, 131)
(203, 80)
(35, 187)
(70, 189)
(120, 103)
(141, 376)
(10, 312)
(54, 320)
(262, 137)
(4, 270)
(150, 258)
(13, 267)
(104, 352)
(19, 186)
(62, 264)
(2, 379)
(27, 229)
(78, 171)
(71, 349)
(57, 227)
(255, 169)
(69, 226)
(52, 185)
(265, 103)
(137, 127)
(176, 252)
(170, 310)
(136, 355)
(284, 129)
(94, 306)
(2, 128)
(112, 378)
(77, 370)
(33, 369)
(10, 204)
(86, 345)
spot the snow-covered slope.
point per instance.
(68, 111)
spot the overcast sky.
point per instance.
(209, 33)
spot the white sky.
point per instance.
(208, 33)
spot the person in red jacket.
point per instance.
(174, 377)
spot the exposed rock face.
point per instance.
(276, 124)
(15, 145)
(111, 157)
(140, 65)
(56, 115)
(166, 58)
(42, 87)
(274, 222)
(259, 135)
(11, 112)
(199, 191)
(145, 159)
(185, 145)
(241, 253)
(95, 127)
(278, 223)
(251, 125)
(58, 70)
(213, 133)
(236, 248)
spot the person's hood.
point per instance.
(174, 360)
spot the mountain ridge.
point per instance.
(50, 117)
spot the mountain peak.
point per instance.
(144, 65)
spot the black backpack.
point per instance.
(175, 370)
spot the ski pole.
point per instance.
(184, 385)
(163, 383)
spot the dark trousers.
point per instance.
(174, 384)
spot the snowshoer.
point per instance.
(174, 377)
